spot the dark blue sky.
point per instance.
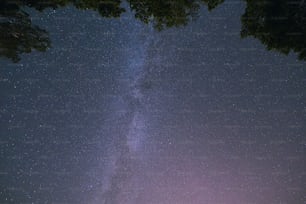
(116, 112)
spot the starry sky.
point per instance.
(116, 112)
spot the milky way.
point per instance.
(122, 165)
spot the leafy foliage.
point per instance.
(278, 24)
(18, 35)
(163, 13)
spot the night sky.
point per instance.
(119, 113)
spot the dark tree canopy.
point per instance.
(107, 8)
(211, 4)
(165, 13)
(169, 13)
(278, 24)
(18, 35)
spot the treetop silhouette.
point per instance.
(278, 24)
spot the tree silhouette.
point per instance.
(163, 13)
(169, 13)
(105, 8)
(278, 24)
(18, 35)
(211, 4)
